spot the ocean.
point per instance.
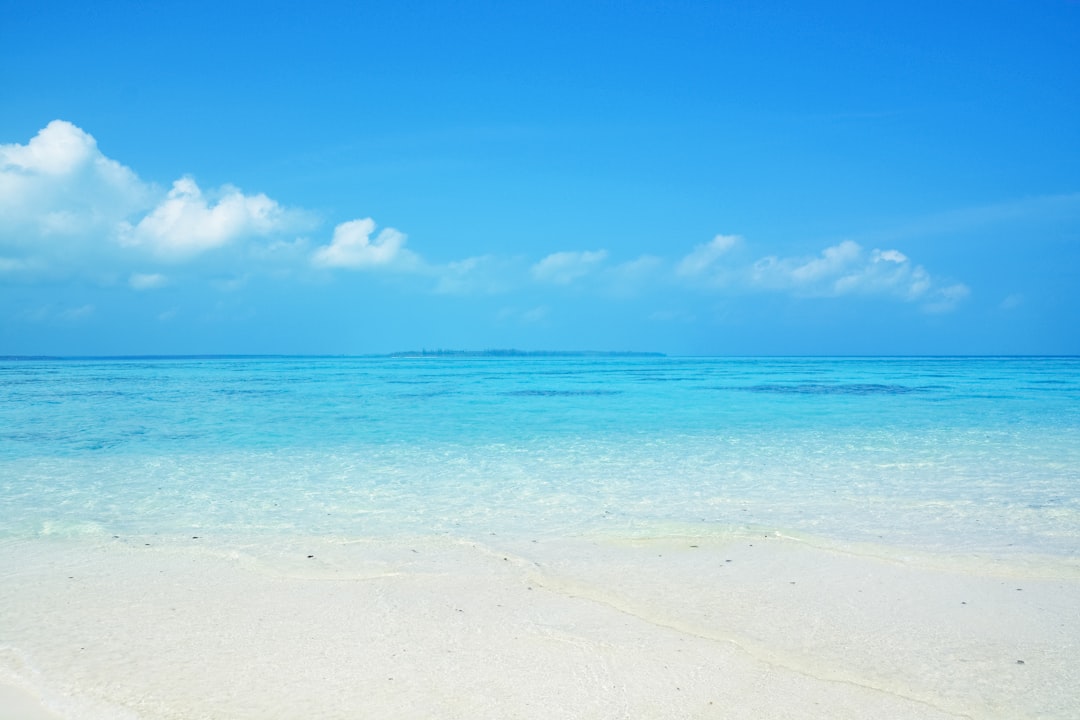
(940, 454)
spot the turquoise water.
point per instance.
(957, 454)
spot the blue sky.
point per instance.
(683, 177)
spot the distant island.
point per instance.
(440, 353)
(520, 353)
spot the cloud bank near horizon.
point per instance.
(68, 210)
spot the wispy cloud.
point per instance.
(76, 313)
(843, 269)
(563, 268)
(147, 281)
(1012, 301)
(703, 257)
(848, 269)
(980, 217)
(49, 313)
(633, 276)
(528, 316)
(478, 275)
(945, 299)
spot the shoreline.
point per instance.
(510, 627)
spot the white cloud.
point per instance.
(705, 255)
(844, 269)
(59, 193)
(186, 224)
(66, 208)
(891, 255)
(353, 247)
(562, 268)
(147, 281)
(638, 268)
(839, 270)
(58, 149)
(832, 262)
(819, 275)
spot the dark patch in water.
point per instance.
(558, 393)
(101, 444)
(846, 389)
(659, 378)
(251, 392)
(425, 395)
(97, 393)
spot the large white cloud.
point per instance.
(60, 191)
(353, 247)
(67, 208)
(58, 149)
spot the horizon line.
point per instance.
(510, 354)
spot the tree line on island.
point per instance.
(512, 353)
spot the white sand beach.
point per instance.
(19, 704)
(734, 627)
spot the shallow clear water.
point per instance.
(958, 454)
